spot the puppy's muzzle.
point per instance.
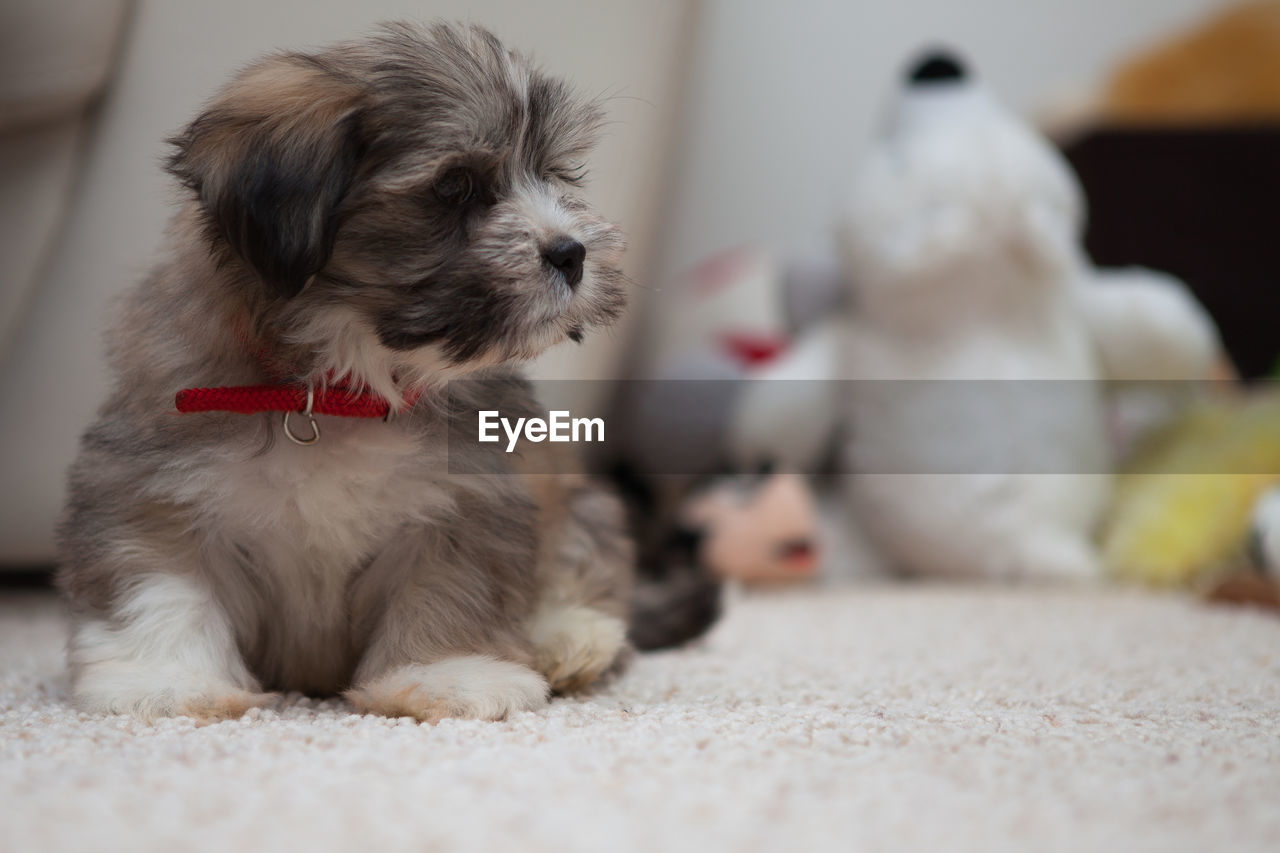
(566, 255)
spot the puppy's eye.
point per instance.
(456, 186)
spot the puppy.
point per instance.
(363, 223)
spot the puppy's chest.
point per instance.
(335, 502)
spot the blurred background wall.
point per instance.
(786, 95)
(734, 121)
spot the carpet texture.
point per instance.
(898, 718)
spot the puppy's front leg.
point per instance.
(165, 648)
(579, 628)
(446, 644)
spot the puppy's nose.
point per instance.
(566, 254)
(938, 66)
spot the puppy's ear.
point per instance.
(271, 160)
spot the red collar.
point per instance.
(335, 398)
(251, 399)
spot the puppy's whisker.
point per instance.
(629, 280)
(633, 98)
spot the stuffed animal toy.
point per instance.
(694, 536)
(756, 529)
(746, 529)
(713, 437)
(962, 245)
(726, 382)
(1186, 499)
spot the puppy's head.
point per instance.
(403, 209)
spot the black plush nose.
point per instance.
(937, 67)
(566, 254)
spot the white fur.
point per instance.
(961, 241)
(574, 645)
(1148, 326)
(168, 650)
(541, 206)
(471, 686)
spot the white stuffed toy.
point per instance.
(962, 244)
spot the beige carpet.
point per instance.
(912, 718)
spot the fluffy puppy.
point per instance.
(384, 215)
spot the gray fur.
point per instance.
(316, 243)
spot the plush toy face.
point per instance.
(756, 529)
(957, 192)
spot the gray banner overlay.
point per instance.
(698, 427)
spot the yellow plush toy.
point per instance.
(1184, 503)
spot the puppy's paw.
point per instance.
(474, 687)
(207, 709)
(150, 694)
(574, 645)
